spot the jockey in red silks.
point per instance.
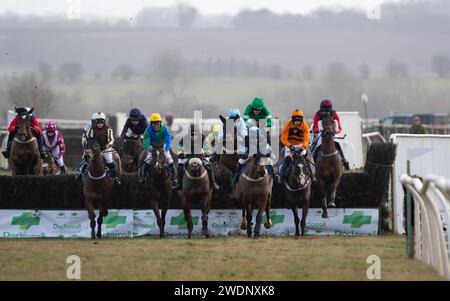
(326, 108)
(12, 131)
(54, 144)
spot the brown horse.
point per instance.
(25, 158)
(196, 186)
(97, 185)
(254, 190)
(298, 189)
(49, 166)
(132, 148)
(160, 184)
(328, 165)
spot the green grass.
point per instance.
(233, 258)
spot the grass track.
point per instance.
(233, 258)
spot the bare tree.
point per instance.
(29, 91)
(337, 71)
(45, 70)
(308, 72)
(124, 72)
(169, 66)
(71, 71)
(440, 64)
(397, 69)
(186, 15)
(364, 71)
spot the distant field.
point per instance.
(219, 94)
(233, 258)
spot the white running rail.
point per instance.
(431, 220)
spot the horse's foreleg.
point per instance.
(243, 220)
(324, 202)
(304, 215)
(205, 211)
(296, 220)
(258, 221)
(188, 216)
(268, 223)
(249, 219)
(91, 214)
(332, 197)
(155, 208)
(165, 205)
(102, 213)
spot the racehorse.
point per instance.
(227, 162)
(132, 148)
(97, 185)
(254, 190)
(328, 165)
(49, 166)
(25, 158)
(196, 186)
(160, 184)
(298, 189)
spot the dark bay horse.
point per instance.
(196, 186)
(132, 149)
(159, 183)
(328, 165)
(25, 158)
(254, 191)
(298, 189)
(228, 160)
(97, 185)
(49, 166)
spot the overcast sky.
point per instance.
(128, 8)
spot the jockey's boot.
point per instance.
(143, 177)
(63, 169)
(311, 174)
(7, 151)
(40, 146)
(212, 179)
(173, 175)
(237, 173)
(344, 160)
(113, 172)
(283, 170)
(270, 170)
(180, 175)
(316, 152)
(82, 170)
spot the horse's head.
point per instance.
(195, 167)
(158, 159)
(131, 149)
(92, 150)
(299, 169)
(23, 126)
(328, 126)
(256, 168)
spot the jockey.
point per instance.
(103, 133)
(257, 111)
(12, 131)
(54, 144)
(194, 136)
(135, 125)
(295, 135)
(256, 137)
(157, 135)
(326, 108)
